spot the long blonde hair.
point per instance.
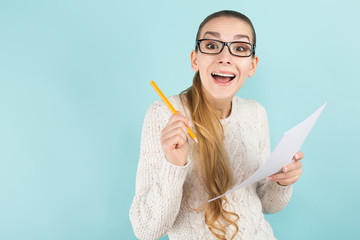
(214, 164)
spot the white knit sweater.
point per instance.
(165, 191)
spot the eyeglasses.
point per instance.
(238, 48)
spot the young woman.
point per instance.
(176, 176)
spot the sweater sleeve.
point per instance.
(159, 184)
(273, 196)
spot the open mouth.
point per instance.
(223, 77)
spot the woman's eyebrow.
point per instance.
(215, 34)
(238, 36)
(241, 36)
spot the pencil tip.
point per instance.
(195, 139)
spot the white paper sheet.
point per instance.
(289, 144)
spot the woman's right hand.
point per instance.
(174, 139)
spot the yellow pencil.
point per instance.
(172, 109)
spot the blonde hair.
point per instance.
(213, 162)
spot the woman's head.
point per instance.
(224, 54)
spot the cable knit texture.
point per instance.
(165, 193)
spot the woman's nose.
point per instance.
(225, 55)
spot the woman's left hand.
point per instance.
(290, 173)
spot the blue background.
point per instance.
(74, 89)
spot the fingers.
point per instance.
(298, 156)
(288, 181)
(175, 132)
(174, 140)
(292, 166)
(285, 176)
(181, 117)
(291, 172)
(175, 135)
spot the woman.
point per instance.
(176, 176)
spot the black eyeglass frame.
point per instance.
(226, 44)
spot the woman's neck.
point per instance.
(222, 107)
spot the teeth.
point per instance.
(223, 74)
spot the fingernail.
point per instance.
(286, 169)
(268, 178)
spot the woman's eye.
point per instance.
(240, 49)
(211, 46)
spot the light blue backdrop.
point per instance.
(74, 89)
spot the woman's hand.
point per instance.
(291, 172)
(174, 139)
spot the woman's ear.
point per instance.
(194, 64)
(254, 63)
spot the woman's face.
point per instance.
(212, 66)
